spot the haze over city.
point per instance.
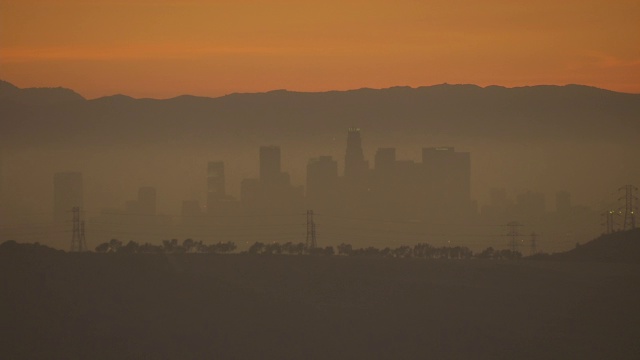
(319, 180)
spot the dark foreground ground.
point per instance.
(67, 306)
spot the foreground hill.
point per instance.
(620, 246)
(563, 112)
(57, 305)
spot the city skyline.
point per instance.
(433, 193)
(305, 179)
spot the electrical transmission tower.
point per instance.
(630, 206)
(513, 234)
(534, 240)
(78, 241)
(311, 231)
(610, 221)
(83, 240)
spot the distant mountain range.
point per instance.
(59, 115)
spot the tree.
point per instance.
(131, 248)
(345, 249)
(488, 253)
(273, 248)
(328, 251)
(147, 248)
(402, 251)
(298, 248)
(102, 248)
(114, 245)
(170, 246)
(189, 245)
(256, 248)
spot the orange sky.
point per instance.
(161, 49)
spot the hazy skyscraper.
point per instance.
(354, 164)
(385, 159)
(448, 177)
(147, 200)
(216, 191)
(270, 170)
(67, 193)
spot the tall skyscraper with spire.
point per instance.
(355, 167)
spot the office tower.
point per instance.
(385, 160)
(270, 171)
(563, 202)
(216, 191)
(355, 167)
(250, 193)
(322, 182)
(448, 180)
(147, 200)
(215, 180)
(67, 193)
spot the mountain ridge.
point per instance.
(5, 85)
(465, 110)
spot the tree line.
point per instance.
(190, 246)
(168, 247)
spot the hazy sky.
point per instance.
(161, 49)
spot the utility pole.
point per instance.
(76, 244)
(610, 221)
(534, 240)
(83, 241)
(311, 231)
(630, 206)
(513, 234)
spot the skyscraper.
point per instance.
(448, 177)
(215, 179)
(270, 170)
(216, 191)
(147, 200)
(355, 167)
(385, 160)
(67, 193)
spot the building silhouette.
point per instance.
(447, 175)
(270, 169)
(355, 166)
(384, 161)
(272, 191)
(67, 194)
(147, 200)
(144, 204)
(216, 191)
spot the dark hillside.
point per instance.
(57, 305)
(620, 246)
